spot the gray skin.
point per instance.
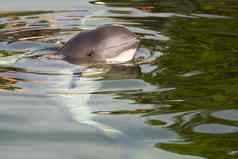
(99, 44)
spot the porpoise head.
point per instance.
(110, 44)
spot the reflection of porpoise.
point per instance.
(108, 43)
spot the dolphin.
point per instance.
(108, 44)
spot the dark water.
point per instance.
(177, 101)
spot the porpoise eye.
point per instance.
(90, 53)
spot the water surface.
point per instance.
(177, 100)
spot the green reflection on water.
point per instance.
(8, 83)
(2, 26)
(221, 7)
(209, 48)
(200, 64)
(23, 13)
(199, 46)
(4, 53)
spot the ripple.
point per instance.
(233, 153)
(212, 16)
(45, 100)
(230, 114)
(215, 129)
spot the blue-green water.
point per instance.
(177, 100)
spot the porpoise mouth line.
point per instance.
(123, 43)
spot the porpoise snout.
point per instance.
(109, 43)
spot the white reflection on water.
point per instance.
(229, 114)
(44, 5)
(215, 129)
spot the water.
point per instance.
(178, 99)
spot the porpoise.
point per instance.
(108, 43)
